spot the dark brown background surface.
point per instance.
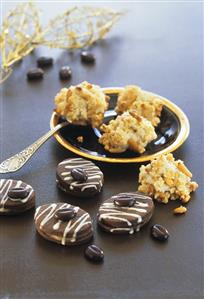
(157, 46)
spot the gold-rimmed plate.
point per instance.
(172, 131)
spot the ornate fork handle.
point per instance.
(15, 162)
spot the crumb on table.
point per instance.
(180, 210)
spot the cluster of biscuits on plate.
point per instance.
(133, 128)
(163, 179)
(138, 114)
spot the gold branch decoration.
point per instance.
(76, 28)
(19, 29)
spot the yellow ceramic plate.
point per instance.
(172, 131)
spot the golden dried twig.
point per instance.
(78, 27)
(75, 28)
(19, 29)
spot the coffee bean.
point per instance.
(94, 253)
(18, 193)
(44, 61)
(35, 74)
(124, 201)
(65, 214)
(159, 232)
(65, 73)
(87, 57)
(79, 175)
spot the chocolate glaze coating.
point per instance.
(15, 204)
(75, 231)
(125, 219)
(91, 186)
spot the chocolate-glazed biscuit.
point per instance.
(79, 177)
(63, 223)
(125, 213)
(15, 197)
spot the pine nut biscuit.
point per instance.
(82, 104)
(148, 106)
(166, 179)
(127, 131)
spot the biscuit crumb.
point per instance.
(80, 139)
(184, 169)
(180, 210)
